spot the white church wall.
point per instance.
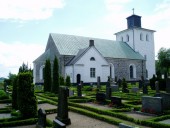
(84, 64)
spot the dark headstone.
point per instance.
(100, 97)
(58, 124)
(157, 86)
(79, 92)
(41, 119)
(98, 82)
(63, 105)
(116, 100)
(153, 105)
(145, 88)
(108, 92)
(165, 99)
(168, 85)
(140, 84)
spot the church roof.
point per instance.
(71, 44)
(46, 55)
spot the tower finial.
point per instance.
(133, 11)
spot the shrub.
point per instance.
(14, 93)
(55, 85)
(61, 80)
(68, 82)
(3, 95)
(27, 103)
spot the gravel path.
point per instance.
(81, 121)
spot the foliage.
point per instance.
(61, 80)
(152, 82)
(47, 76)
(14, 93)
(163, 63)
(3, 95)
(27, 103)
(24, 68)
(68, 82)
(55, 85)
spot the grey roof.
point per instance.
(71, 44)
(46, 55)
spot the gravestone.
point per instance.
(62, 114)
(71, 92)
(122, 125)
(134, 89)
(115, 100)
(165, 99)
(100, 97)
(140, 84)
(98, 82)
(81, 83)
(114, 88)
(108, 92)
(153, 105)
(41, 119)
(168, 85)
(157, 86)
(58, 124)
(79, 92)
(145, 89)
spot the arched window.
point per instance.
(127, 38)
(112, 72)
(141, 36)
(42, 72)
(132, 71)
(92, 59)
(147, 37)
(122, 38)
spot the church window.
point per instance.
(122, 39)
(92, 59)
(127, 38)
(147, 37)
(42, 72)
(132, 70)
(141, 36)
(92, 72)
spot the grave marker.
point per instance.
(62, 114)
(98, 82)
(157, 86)
(41, 119)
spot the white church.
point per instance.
(85, 58)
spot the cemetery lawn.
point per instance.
(129, 112)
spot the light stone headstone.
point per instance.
(114, 88)
(134, 89)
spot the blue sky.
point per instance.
(25, 25)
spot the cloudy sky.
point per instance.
(25, 24)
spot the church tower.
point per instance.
(140, 40)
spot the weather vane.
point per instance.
(133, 10)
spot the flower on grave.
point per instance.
(111, 105)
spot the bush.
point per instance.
(3, 95)
(27, 103)
(68, 82)
(61, 80)
(152, 82)
(14, 93)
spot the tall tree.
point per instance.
(55, 85)
(14, 93)
(47, 76)
(163, 63)
(26, 98)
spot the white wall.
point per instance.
(142, 46)
(83, 65)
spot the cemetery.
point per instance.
(125, 105)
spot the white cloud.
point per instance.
(28, 9)
(13, 55)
